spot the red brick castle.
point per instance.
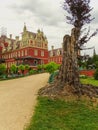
(31, 49)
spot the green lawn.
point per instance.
(91, 81)
(60, 115)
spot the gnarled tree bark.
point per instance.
(68, 73)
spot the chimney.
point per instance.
(52, 47)
(17, 38)
(10, 36)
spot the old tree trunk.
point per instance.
(69, 69)
(67, 81)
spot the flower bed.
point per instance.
(89, 73)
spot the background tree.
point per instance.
(92, 62)
(21, 68)
(96, 74)
(13, 69)
(2, 69)
(95, 60)
(82, 64)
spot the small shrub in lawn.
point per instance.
(52, 76)
(83, 76)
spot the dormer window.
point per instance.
(58, 52)
(51, 53)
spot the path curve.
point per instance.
(18, 99)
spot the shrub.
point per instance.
(52, 76)
(32, 72)
(27, 67)
(2, 69)
(83, 76)
(51, 67)
(13, 68)
(21, 68)
(41, 68)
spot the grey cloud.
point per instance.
(43, 10)
(95, 15)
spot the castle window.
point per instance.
(39, 38)
(51, 53)
(31, 41)
(22, 53)
(25, 52)
(11, 55)
(16, 54)
(42, 53)
(39, 44)
(58, 52)
(45, 45)
(19, 53)
(35, 52)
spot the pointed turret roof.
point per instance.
(94, 52)
(25, 28)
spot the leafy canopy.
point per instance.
(79, 14)
(79, 11)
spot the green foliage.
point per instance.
(92, 61)
(22, 68)
(95, 58)
(27, 67)
(41, 67)
(32, 72)
(89, 62)
(13, 69)
(91, 81)
(2, 69)
(96, 64)
(83, 76)
(61, 115)
(96, 74)
(82, 64)
(52, 76)
(51, 67)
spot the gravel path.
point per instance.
(18, 99)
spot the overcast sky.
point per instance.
(46, 15)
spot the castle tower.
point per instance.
(94, 52)
(25, 28)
